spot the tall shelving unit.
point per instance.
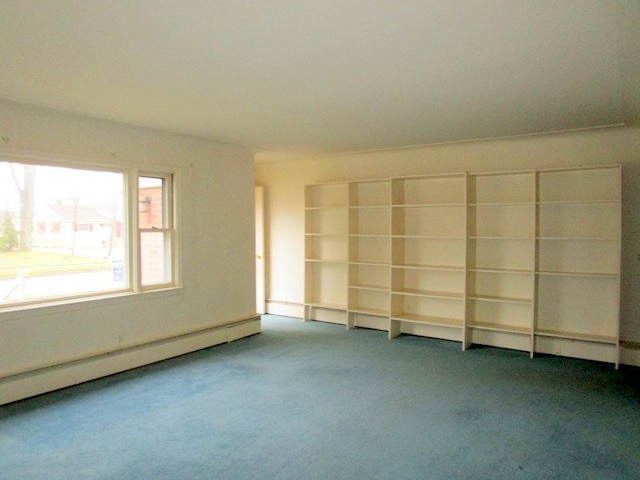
(526, 260)
(326, 247)
(578, 262)
(428, 255)
(501, 260)
(369, 253)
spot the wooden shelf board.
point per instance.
(429, 293)
(504, 173)
(498, 298)
(370, 235)
(503, 204)
(496, 327)
(427, 205)
(326, 260)
(327, 306)
(577, 202)
(369, 311)
(583, 239)
(500, 237)
(371, 207)
(577, 274)
(431, 237)
(370, 264)
(501, 270)
(427, 320)
(586, 337)
(327, 207)
(449, 268)
(375, 288)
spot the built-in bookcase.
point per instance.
(326, 247)
(527, 260)
(428, 254)
(369, 253)
(578, 262)
(501, 260)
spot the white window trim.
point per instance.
(132, 256)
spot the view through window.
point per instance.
(63, 232)
(155, 222)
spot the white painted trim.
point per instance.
(286, 309)
(54, 377)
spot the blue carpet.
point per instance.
(315, 401)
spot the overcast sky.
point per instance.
(56, 183)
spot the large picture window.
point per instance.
(65, 232)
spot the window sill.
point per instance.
(86, 302)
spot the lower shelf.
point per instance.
(428, 320)
(588, 346)
(496, 327)
(326, 312)
(328, 306)
(583, 337)
(369, 311)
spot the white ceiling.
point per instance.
(309, 77)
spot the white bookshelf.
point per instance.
(428, 254)
(326, 248)
(578, 262)
(369, 253)
(526, 260)
(501, 260)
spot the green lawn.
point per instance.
(38, 263)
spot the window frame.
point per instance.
(132, 252)
(169, 228)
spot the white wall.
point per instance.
(217, 245)
(284, 196)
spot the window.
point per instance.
(155, 224)
(66, 232)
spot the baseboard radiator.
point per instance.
(47, 378)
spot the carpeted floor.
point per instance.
(315, 401)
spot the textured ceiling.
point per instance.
(312, 77)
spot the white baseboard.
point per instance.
(629, 351)
(54, 377)
(286, 309)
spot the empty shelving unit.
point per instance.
(526, 260)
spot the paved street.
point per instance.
(55, 285)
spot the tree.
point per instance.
(9, 236)
(26, 191)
